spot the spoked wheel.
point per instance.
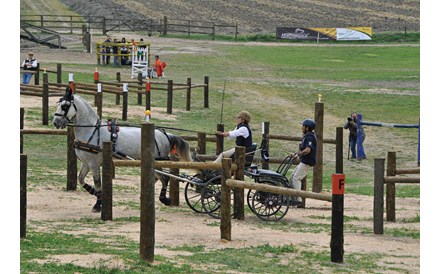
(251, 194)
(269, 206)
(193, 196)
(211, 197)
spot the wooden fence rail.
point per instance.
(71, 167)
(88, 24)
(111, 87)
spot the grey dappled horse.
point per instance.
(90, 133)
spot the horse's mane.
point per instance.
(88, 106)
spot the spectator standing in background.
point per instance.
(115, 51)
(124, 50)
(159, 66)
(108, 50)
(29, 64)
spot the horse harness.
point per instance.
(67, 101)
(113, 128)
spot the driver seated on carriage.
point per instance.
(242, 134)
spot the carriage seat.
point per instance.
(269, 173)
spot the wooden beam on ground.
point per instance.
(279, 190)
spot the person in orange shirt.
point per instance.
(158, 66)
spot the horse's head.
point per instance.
(65, 113)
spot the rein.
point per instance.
(172, 128)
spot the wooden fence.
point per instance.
(390, 179)
(71, 167)
(118, 88)
(58, 71)
(76, 24)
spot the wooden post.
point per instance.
(72, 82)
(391, 188)
(337, 236)
(59, 74)
(170, 97)
(339, 150)
(21, 127)
(174, 188)
(206, 92)
(188, 94)
(98, 55)
(148, 215)
(379, 169)
(37, 75)
(213, 31)
(139, 95)
(165, 25)
(23, 195)
(99, 100)
(107, 182)
(319, 131)
(303, 187)
(219, 142)
(71, 160)
(96, 81)
(118, 96)
(240, 159)
(124, 101)
(265, 133)
(201, 142)
(225, 205)
(88, 38)
(45, 99)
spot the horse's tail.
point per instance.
(182, 148)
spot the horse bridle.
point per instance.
(66, 107)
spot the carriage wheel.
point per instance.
(211, 197)
(253, 192)
(269, 206)
(193, 197)
(250, 194)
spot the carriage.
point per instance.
(202, 191)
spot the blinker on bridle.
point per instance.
(68, 99)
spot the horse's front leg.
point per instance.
(90, 189)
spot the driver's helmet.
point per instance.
(309, 123)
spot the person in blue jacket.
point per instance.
(307, 154)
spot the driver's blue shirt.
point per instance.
(309, 140)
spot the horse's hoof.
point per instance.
(165, 201)
(96, 209)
